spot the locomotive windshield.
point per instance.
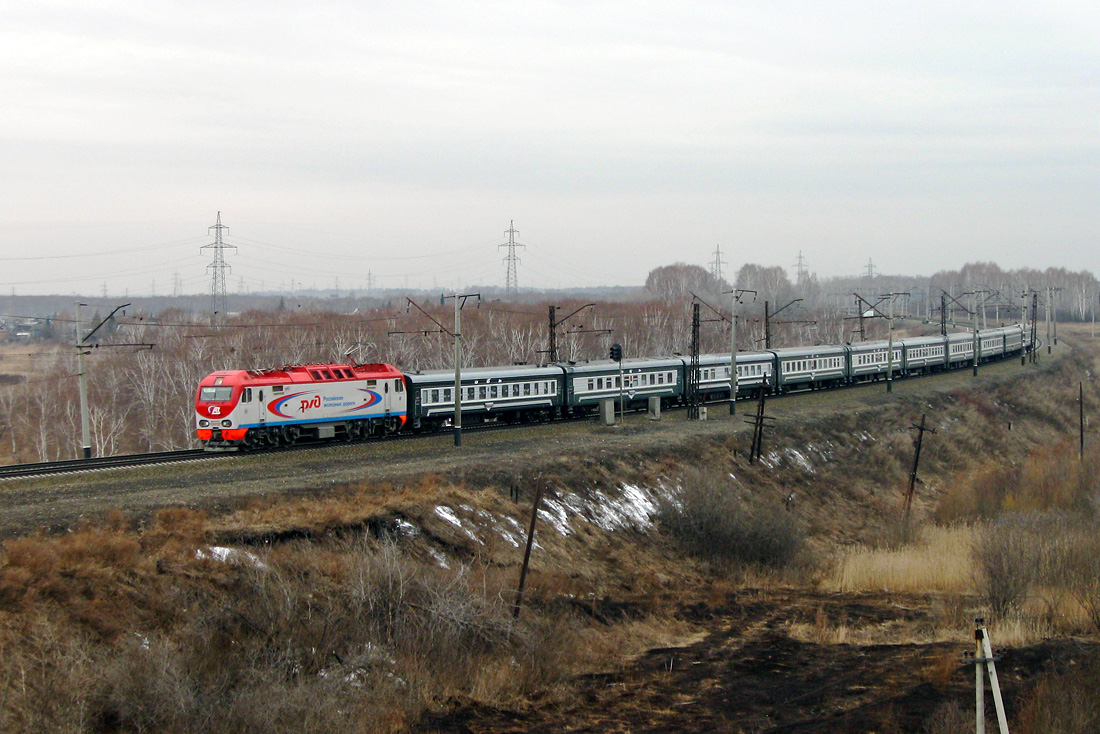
(208, 394)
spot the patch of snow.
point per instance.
(554, 512)
(801, 460)
(632, 510)
(448, 514)
(406, 528)
(439, 558)
(229, 555)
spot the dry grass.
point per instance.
(938, 562)
(1051, 477)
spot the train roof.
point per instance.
(635, 364)
(809, 351)
(304, 373)
(518, 371)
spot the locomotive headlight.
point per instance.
(227, 423)
(204, 423)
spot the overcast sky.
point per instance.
(400, 139)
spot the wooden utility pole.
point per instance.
(527, 552)
(1081, 416)
(758, 421)
(918, 441)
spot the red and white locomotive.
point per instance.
(246, 409)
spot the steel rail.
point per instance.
(13, 471)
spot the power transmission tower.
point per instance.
(800, 269)
(717, 263)
(218, 270)
(511, 282)
(870, 270)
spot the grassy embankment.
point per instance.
(370, 608)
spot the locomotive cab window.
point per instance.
(219, 394)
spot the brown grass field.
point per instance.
(674, 586)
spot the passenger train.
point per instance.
(244, 409)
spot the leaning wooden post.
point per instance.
(527, 552)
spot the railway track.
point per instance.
(70, 466)
(104, 462)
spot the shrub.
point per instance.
(1005, 556)
(714, 524)
(1067, 703)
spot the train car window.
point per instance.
(398, 386)
(435, 396)
(481, 392)
(527, 388)
(537, 387)
(387, 388)
(493, 391)
(447, 395)
(261, 396)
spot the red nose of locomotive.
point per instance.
(214, 402)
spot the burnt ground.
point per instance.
(747, 674)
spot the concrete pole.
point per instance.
(85, 428)
(977, 338)
(733, 354)
(1049, 344)
(979, 681)
(890, 350)
(1054, 311)
(457, 420)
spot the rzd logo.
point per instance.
(305, 405)
(215, 410)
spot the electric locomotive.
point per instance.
(243, 409)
